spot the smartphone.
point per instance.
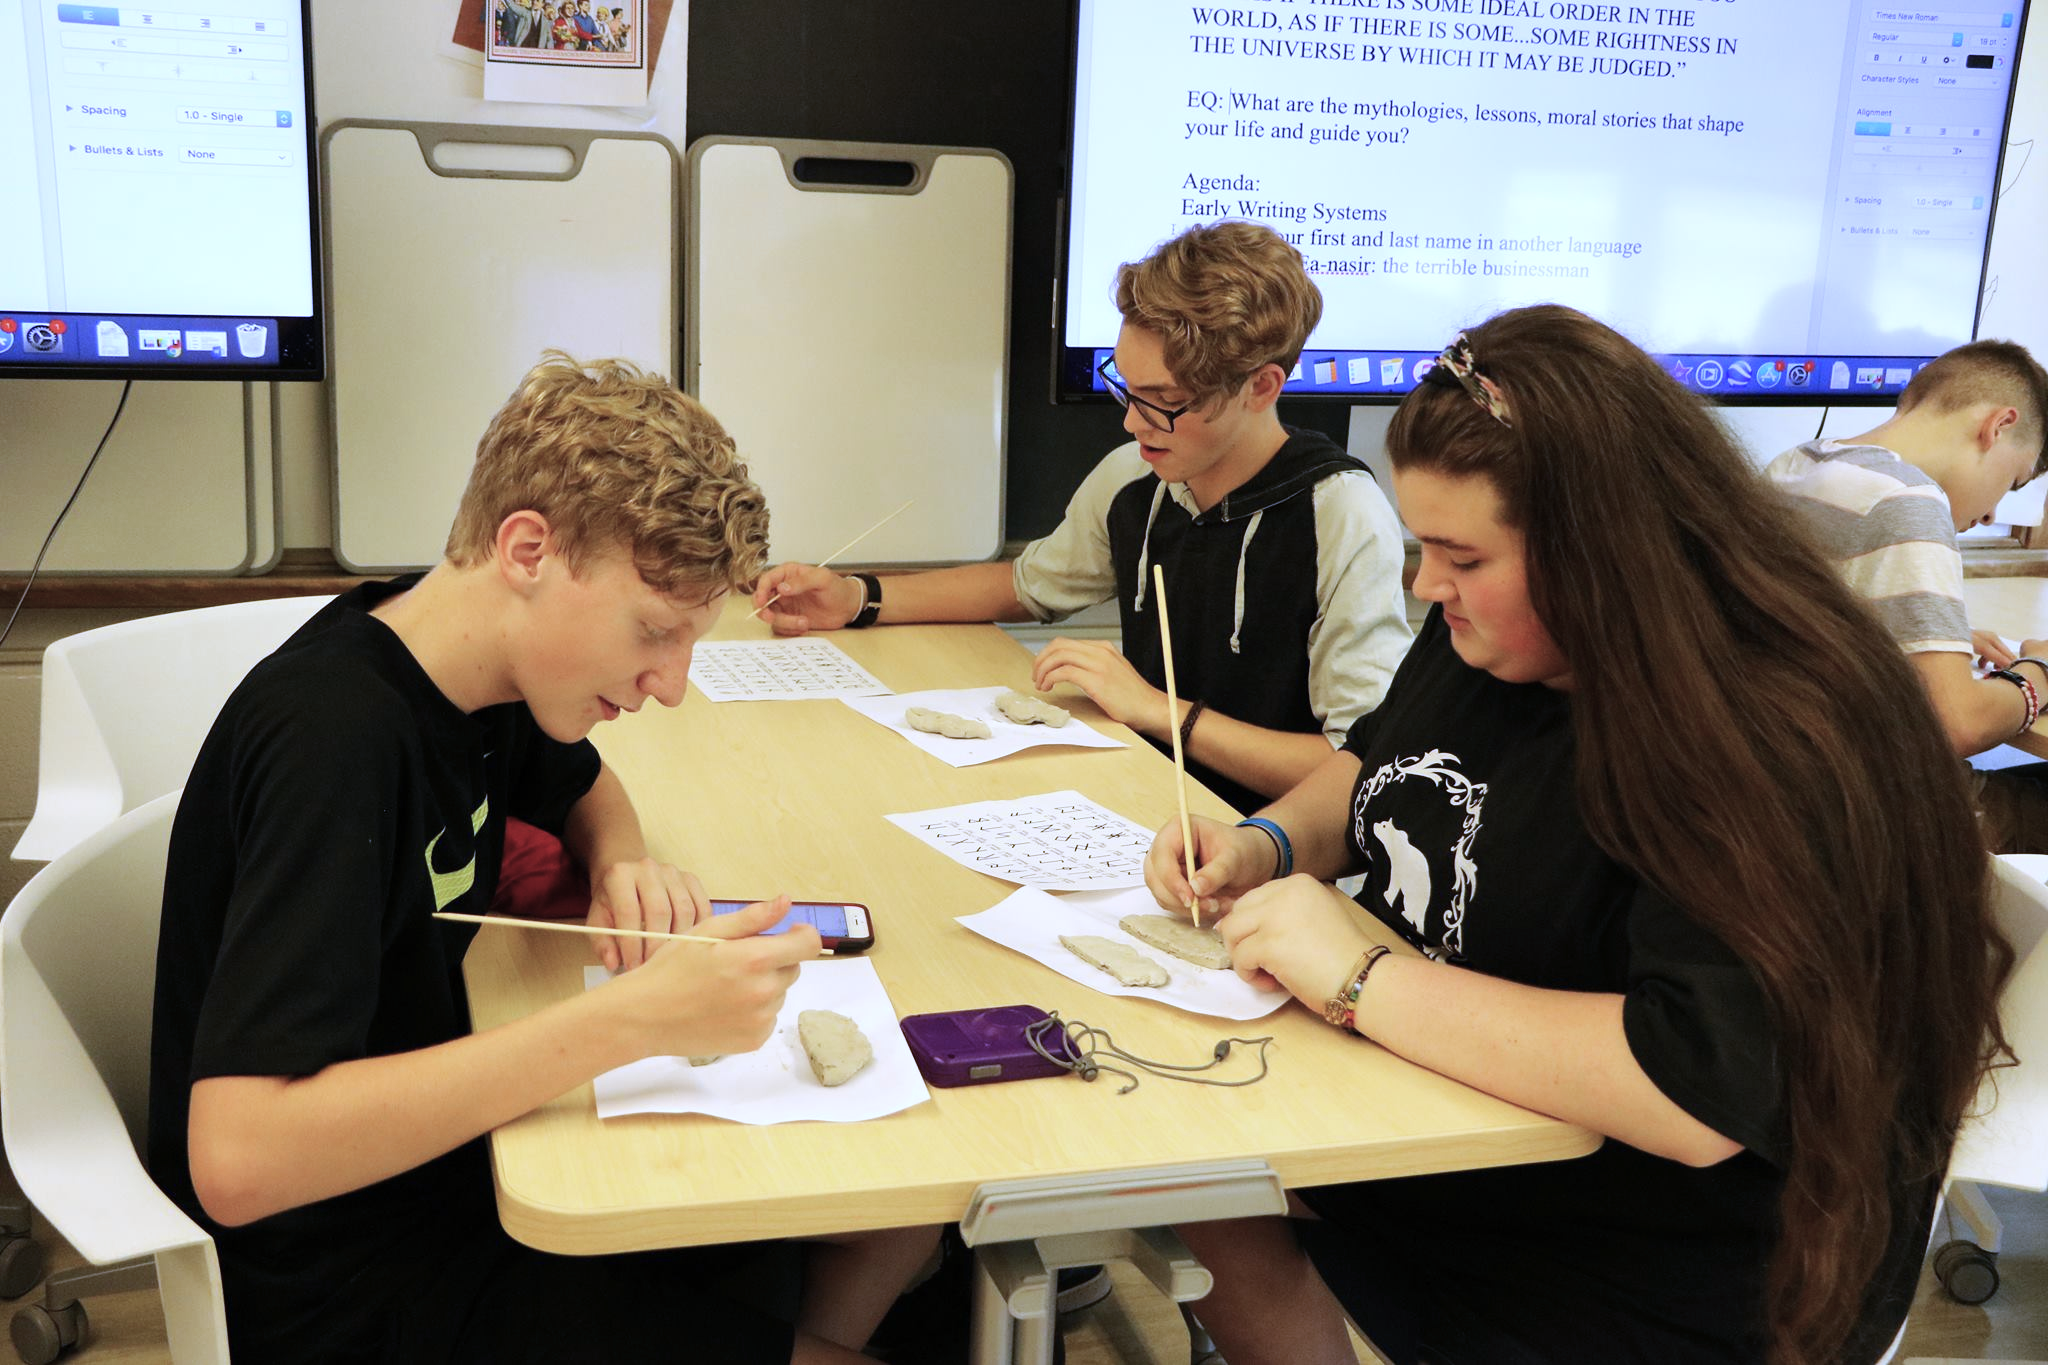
(845, 928)
(975, 1047)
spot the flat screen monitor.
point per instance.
(1784, 202)
(157, 191)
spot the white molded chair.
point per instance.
(126, 706)
(2005, 1142)
(77, 982)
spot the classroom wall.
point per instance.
(919, 71)
(972, 76)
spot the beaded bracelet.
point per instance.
(1341, 1009)
(2029, 697)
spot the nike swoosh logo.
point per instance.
(450, 887)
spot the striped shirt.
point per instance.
(1889, 530)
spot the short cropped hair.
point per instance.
(1224, 299)
(617, 459)
(2001, 372)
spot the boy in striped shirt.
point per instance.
(1886, 507)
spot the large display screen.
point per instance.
(1785, 202)
(157, 210)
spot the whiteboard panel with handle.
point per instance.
(847, 319)
(456, 255)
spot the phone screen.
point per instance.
(828, 920)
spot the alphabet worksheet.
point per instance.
(779, 670)
(1060, 841)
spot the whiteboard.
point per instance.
(854, 339)
(447, 282)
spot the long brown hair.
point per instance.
(1752, 744)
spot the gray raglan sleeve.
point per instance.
(1361, 630)
(1060, 573)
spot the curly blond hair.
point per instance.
(617, 458)
(1224, 299)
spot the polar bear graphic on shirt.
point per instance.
(1425, 849)
(1408, 874)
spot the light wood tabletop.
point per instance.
(763, 797)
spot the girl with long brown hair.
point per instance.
(1666, 842)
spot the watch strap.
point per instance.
(871, 605)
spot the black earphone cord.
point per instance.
(1085, 1044)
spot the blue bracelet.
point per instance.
(1280, 841)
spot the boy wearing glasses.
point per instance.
(1281, 555)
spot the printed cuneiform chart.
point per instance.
(1060, 841)
(779, 670)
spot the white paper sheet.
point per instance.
(1060, 841)
(1031, 922)
(775, 1084)
(779, 670)
(977, 703)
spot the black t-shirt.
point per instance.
(1465, 820)
(339, 800)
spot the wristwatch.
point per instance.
(1341, 1009)
(871, 601)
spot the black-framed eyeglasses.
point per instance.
(1156, 417)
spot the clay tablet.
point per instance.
(1129, 966)
(1026, 710)
(945, 723)
(1170, 934)
(835, 1045)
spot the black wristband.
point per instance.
(872, 608)
(1187, 724)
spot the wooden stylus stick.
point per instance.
(589, 931)
(843, 549)
(1180, 766)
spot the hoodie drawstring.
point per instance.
(1145, 546)
(1244, 548)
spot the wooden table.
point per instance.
(2016, 608)
(758, 798)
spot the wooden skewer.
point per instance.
(843, 549)
(1180, 767)
(591, 931)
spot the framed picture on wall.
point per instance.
(566, 51)
(562, 51)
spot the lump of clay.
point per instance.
(945, 723)
(835, 1045)
(705, 1061)
(1030, 710)
(1203, 947)
(1129, 966)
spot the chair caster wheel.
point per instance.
(21, 1266)
(1967, 1271)
(41, 1334)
